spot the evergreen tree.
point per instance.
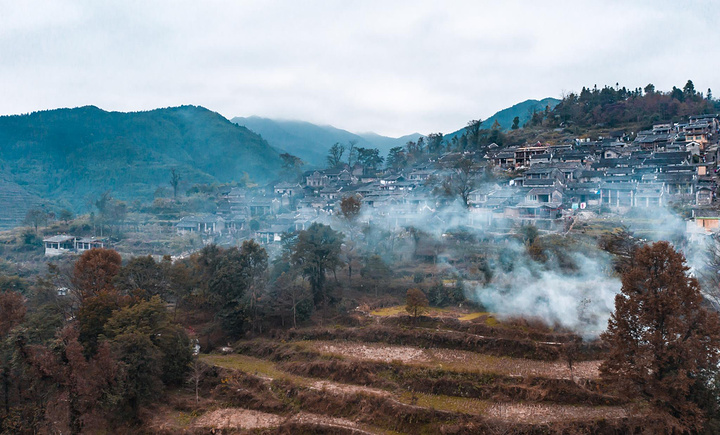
(664, 344)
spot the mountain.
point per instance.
(385, 143)
(68, 157)
(505, 117)
(311, 142)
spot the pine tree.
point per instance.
(664, 343)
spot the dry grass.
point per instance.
(457, 360)
(445, 403)
(255, 366)
(389, 311)
(399, 310)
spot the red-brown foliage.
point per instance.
(663, 342)
(94, 272)
(12, 311)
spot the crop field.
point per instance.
(359, 380)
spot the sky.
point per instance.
(392, 67)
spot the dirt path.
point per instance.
(459, 360)
(339, 423)
(237, 418)
(542, 413)
(334, 387)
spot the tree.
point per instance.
(461, 182)
(153, 350)
(291, 165)
(94, 272)
(649, 89)
(664, 344)
(397, 158)
(369, 158)
(65, 215)
(350, 207)
(352, 153)
(376, 271)
(473, 131)
(316, 251)
(174, 181)
(434, 142)
(516, 123)
(197, 372)
(689, 90)
(416, 302)
(144, 277)
(12, 311)
(334, 158)
(35, 217)
(253, 266)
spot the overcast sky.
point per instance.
(392, 67)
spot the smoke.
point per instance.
(573, 285)
(581, 300)
(579, 297)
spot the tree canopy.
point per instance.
(664, 344)
(317, 251)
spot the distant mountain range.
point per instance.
(505, 117)
(69, 157)
(311, 142)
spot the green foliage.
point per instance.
(316, 251)
(441, 296)
(73, 154)
(151, 320)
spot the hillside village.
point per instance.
(543, 184)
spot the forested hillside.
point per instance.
(69, 157)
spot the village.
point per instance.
(542, 184)
(546, 185)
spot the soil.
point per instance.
(535, 413)
(461, 359)
(238, 418)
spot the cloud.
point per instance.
(392, 67)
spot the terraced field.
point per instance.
(314, 381)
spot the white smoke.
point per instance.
(581, 301)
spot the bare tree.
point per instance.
(35, 217)
(196, 373)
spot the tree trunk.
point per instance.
(6, 390)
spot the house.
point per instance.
(59, 245)
(523, 154)
(271, 235)
(648, 195)
(287, 189)
(205, 224)
(63, 244)
(87, 243)
(704, 195)
(316, 179)
(582, 193)
(261, 206)
(617, 195)
(544, 195)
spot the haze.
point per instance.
(388, 67)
